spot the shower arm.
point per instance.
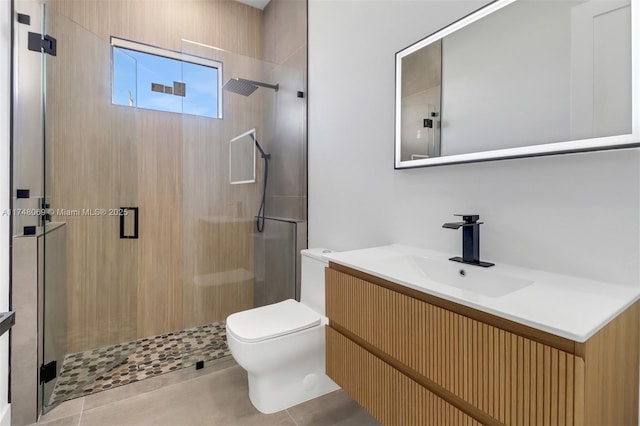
(275, 87)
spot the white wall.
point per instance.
(5, 96)
(575, 214)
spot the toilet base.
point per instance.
(272, 393)
(284, 371)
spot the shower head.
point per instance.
(240, 87)
(246, 87)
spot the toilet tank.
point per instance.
(312, 283)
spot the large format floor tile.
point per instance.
(217, 398)
(217, 395)
(334, 409)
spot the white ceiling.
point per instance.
(259, 4)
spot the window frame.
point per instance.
(170, 54)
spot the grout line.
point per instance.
(39, 420)
(291, 417)
(81, 411)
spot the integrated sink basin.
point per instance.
(433, 271)
(468, 277)
(568, 306)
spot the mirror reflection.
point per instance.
(529, 73)
(421, 91)
(242, 158)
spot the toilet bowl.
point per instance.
(281, 346)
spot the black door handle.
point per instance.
(124, 211)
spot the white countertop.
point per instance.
(562, 305)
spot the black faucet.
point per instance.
(470, 240)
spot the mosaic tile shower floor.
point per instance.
(151, 357)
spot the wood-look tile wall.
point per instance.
(391, 397)
(91, 159)
(174, 167)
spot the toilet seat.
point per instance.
(268, 322)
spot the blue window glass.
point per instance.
(202, 96)
(152, 81)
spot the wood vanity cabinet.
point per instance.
(412, 358)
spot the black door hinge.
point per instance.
(46, 44)
(24, 19)
(48, 372)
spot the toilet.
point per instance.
(282, 345)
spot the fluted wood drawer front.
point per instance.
(390, 396)
(513, 379)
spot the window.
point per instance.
(154, 78)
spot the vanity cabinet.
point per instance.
(412, 358)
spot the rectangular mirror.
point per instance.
(242, 158)
(521, 78)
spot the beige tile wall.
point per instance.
(173, 167)
(285, 43)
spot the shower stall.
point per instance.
(143, 245)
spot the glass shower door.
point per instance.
(90, 186)
(218, 217)
(223, 272)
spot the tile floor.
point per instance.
(83, 373)
(215, 395)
